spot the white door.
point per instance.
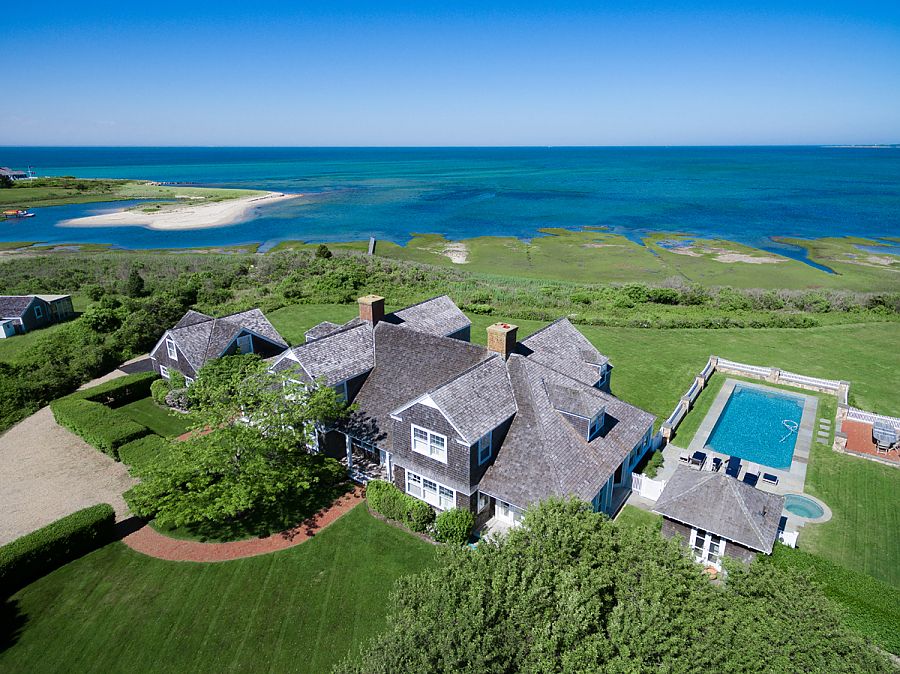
(504, 512)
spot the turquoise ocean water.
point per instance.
(742, 194)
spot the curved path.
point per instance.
(150, 542)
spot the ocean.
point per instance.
(744, 194)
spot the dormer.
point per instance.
(582, 408)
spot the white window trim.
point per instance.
(431, 497)
(431, 434)
(482, 445)
(38, 311)
(171, 349)
(164, 371)
(188, 381)
(703, 556)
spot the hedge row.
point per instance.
(97, 424)
(40, 552)
(386, 499)
(89, 414)
(454, 526)
(141, 453)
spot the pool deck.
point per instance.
(790, 480)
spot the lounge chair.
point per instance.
(768, 478)
(751, 478)
(733, 469)
(698, 459)
(716, 464)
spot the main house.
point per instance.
(197, 338)
(491, 430)
(21, 313)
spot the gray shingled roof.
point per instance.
(478, 400)
(437, 316)
(561, 346)
(343, 355)
(543, 455)
(323, 329)
(409, 363)
(582, 401)
(13, 306)
(723, 505)
(201, 337)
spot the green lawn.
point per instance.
(161, 421)
(632, 516)
(299, 610)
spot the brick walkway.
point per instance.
(150, 542)
(859, 440)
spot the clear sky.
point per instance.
(449, 73)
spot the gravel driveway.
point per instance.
(46, 472)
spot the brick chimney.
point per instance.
(371, 308)
(502, 338)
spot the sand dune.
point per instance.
(184, 216)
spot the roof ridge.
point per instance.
(341, 330)
(539, 420)
(462, 374)
(549, 325)
(593, 390)
(702, 481)
(430, 299)
(746, 510)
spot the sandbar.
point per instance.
(184, 216)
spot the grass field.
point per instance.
(299, 610)
(162, 422)
(15, 349)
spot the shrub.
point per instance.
(119, 391)
(654, 463)
(386, 499)
(158, 391)
(141, 453)
(178, 399)
(96, 424)
(40, 552)
(454, 526)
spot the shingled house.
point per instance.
(491, 430)
(717, 515)
(21, 313)
(197, 338)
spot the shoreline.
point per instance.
(183, 217)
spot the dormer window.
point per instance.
(596, 425)
(245, 344)
(171, 350)
(38, 311)
(484, 448)
(429, 443)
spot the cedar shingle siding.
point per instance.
(671, 528)
(30, 312)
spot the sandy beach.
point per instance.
(184, 216)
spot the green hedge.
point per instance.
(142, 453)
(97, 424)
(90, 414)
(866, 605)
(386, 499)
(40, 552)
(454, 526)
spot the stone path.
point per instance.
(150, 542)
(46, 473)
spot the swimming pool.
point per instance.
(759, 426)
(803, 506)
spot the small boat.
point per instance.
(17, 213)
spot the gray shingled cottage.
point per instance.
(197, 338)
(491, 430)
(30, 312)
(717, 515)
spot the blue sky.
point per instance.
(436, 73)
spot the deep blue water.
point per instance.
(742, 194)
(752, 426)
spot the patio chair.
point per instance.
(751, 478)
(733, 469)
(768, 478)
(698, 459)
(716, 464)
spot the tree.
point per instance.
(134, 285)
(6, 181)
(570, 591)
(323, 252)
(250, 456)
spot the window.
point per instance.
(171, 350)
(483, 501)
(188, 381)
(341, 390)
(707, 547)
(38, 311)
(245, 344)
(164, 371)
(484, 448)
(430, 444)
(430, 491)
(596, 425)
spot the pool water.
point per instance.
(803, 506)
(759, 426)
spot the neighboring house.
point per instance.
(12, 173)
(718, 515)
(197, 338)
(30, 312)
(491, 430)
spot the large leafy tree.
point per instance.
(571, 592)
(250, 455)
